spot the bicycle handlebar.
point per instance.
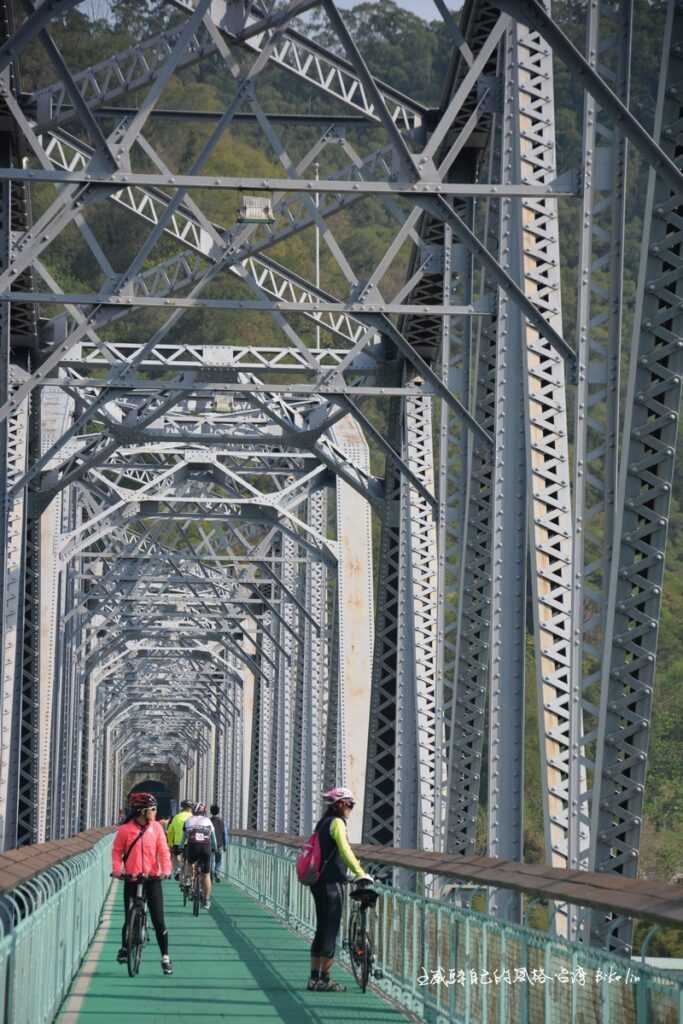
(136, 878)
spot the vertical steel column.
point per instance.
(643, 508)
(267, 739)
(454, 465)
(599, 323)
(83, 703)
(66, 718)
(473, 621)
(354, 582)
(29, 708)
(299, 703)
(550, 519)
(227, 778)
(311, 752)
(256, 781)
(54, 420)
(285, 685)
(220, 767)
(379, 808)
(233, 723)
(416, 705)
(249, 729)
(14, 454)
(510, 527)
(332, 762)
(17, 327)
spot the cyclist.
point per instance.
(176, 836)
(140, 848)
(200, 843)
(221, 831)
(337, 859)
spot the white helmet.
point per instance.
(339, 793)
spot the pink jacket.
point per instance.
(149, 856)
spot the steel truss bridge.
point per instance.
(266, 568)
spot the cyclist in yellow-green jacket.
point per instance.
(338, 861)
(176, 835)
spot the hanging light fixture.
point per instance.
(256, 210)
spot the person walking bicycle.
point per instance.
(328, 893)
(140, 849)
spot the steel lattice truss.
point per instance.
(188, 573)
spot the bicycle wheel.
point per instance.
(196, 895)
(356, 946)
(366, 965)
(135, 939)
(186, 893)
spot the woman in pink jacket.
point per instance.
(140, 848)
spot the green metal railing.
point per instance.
(450, 965)
(46, 926)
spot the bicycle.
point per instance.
(136, 923)
(185, 888)
(184, 885)
(197, 895)
(359, 941)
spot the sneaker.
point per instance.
(122, 956)
(177, 876)
(312, 984)
(207, 905)
(329, 986)
(167, 966)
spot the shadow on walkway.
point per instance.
(236, 963)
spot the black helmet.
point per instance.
(186, 805)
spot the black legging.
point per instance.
(155, 902)
(329, 903)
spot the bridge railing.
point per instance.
(47, 923)
(451, 965)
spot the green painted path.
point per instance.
(233, 963)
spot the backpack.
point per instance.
(309, 866)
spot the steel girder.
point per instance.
(192, 548)
(20, 560)
(599, 325)
(643, 509)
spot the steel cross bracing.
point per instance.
(643, 508)
(198, 437)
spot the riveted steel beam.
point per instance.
(643, 509)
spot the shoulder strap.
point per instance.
(334, 846)
(136, 840)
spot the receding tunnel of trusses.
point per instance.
(162, 782)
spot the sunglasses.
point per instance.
(348, 803)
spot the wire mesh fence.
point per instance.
(46, 926)
(449, 964)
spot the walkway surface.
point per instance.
(236, 962)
